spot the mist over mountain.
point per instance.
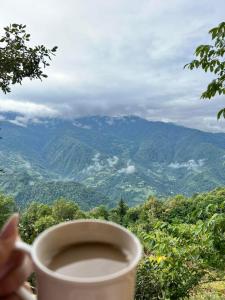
(96, 160)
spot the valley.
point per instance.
(98, 160)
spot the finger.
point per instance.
(8, 236)
(10, 227)
(11, 297)
(15, 278)
(14, 296)
(28, 286)
(14, 261)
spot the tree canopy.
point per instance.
(18, 60)
(210, 58)
(183, 238)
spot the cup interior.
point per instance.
(56, 238)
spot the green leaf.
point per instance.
(220, 113)
(54, 49)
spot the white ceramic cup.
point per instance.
(54, 286)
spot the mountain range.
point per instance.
(97, 160)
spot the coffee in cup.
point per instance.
(84, 260)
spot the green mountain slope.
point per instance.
(46, 192)
(125, 157)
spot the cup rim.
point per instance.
(91, 280)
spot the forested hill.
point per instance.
(117, 157)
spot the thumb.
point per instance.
(8, 236)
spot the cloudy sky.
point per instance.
(118, 57)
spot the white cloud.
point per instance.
(27, 108)
(189, 165)
(129, 169)
(78, 124)
(96, 166)
(19, 121)
(118, 57)
(112, 161)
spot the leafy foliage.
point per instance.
(18, 60)
(211, 59)
(7, 207)
(183, 238)
(37, 217)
